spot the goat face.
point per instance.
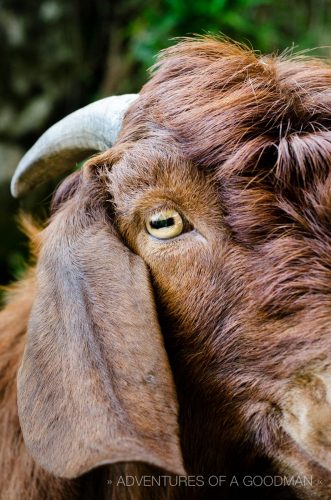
(220, 186)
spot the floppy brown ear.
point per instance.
(95, 384)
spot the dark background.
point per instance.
(58, 55)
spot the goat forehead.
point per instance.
(212, 98)
(152, 164)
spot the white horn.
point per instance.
(88, 130)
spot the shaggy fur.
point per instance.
(240, 145)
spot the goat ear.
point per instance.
(95, 385)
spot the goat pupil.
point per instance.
(158, 224)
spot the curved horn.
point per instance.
(72, 139)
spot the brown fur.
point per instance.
(241, 146)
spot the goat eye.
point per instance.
(165, 224)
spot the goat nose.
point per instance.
(307, 415)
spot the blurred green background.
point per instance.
(58, 55)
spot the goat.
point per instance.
(177, 322)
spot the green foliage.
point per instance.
(266, 25)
